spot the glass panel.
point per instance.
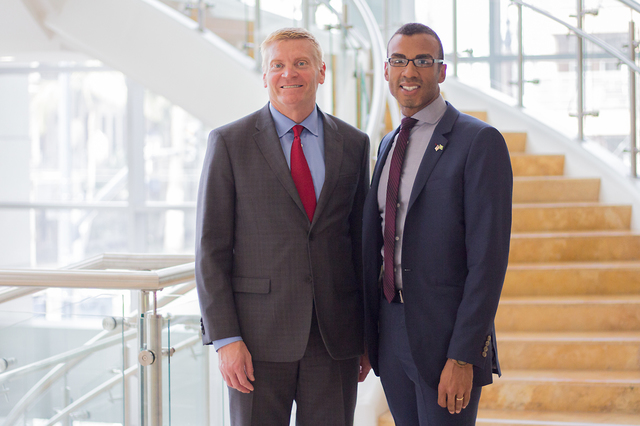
(59, 321)
(186, 379)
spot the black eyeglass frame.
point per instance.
(433, 62)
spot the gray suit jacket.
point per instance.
(260, 265)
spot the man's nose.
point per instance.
(289, 72)
(410, 69)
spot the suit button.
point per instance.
(310, 279)
(310, 237)
(489, 338)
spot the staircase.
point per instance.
(568, 324)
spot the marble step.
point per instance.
(552, 390)
(572, 278)
(516, 141)
(569, 313)
(569, 350)
(480, 115)
(488, 417)
(564, 418)
(537, 165)
(570, 217)
(597, 246)
(555, 189)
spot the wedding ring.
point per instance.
(460, 399)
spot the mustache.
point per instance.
(410, 80)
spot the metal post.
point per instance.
(202, 10)
(633, 150)
(143, 307)
(306, 20)
(520, 60)
(154, 371)
(455, 38)
(580, 19)
(257, 37)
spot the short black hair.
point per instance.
(414, 28)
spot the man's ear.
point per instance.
(442, 73)
(323, 71)
(386, 71)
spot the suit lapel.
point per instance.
(268, 142)
(433, 155)
(383, 152)
(333, 151)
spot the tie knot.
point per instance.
(297, 129)
(408, 123)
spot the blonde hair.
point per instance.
(291, 33)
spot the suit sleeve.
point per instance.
(488, 184)
(357, 210)
(215, 220)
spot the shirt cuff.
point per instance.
(217, 344)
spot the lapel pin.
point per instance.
(439, 147)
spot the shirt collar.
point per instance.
(432, 113)
(284, 124)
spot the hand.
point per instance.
(455, 382)
(234, 361)
(365, 367)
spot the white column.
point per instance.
(15, 227)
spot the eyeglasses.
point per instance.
(418, 62)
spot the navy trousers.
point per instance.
(411, 401)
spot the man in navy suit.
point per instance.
(436, 232)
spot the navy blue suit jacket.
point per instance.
(455, 248)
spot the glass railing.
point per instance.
(354, 89)
(114, 340)
(529, 50)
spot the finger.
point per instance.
(467, 398)
(451, 403)
(442, 398)
(243, 380)
(248, 368)
(459, 401)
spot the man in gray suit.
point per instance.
(278, 248)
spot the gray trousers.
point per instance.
(324, 390)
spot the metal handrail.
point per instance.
(67, 356)
(629, 60)
(377, 50)
(595, 40)
(632, 4)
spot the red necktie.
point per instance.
(301, 174)
(391, 206)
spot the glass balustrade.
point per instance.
(58, 350)
(486, 40)
(339, 26)
(79, 356)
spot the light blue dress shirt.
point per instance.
(312, 139)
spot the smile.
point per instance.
(292, 87)
(409, 88)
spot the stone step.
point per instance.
(600, 246)
(570, 217)
(537, 165)
(569, 313)
(569, 350)
(582, 391)
(480, 115)
(572, 278)
(516, 141)
(555, 189)
(542, 418)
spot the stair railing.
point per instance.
(629, 59)
(146, 274)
